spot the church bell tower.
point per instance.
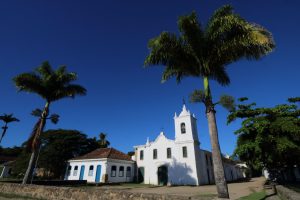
(186, 127)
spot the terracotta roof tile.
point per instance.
(104, 153)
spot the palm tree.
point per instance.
(51, 85)
(205, 52)
(6, 119)
(103, 142)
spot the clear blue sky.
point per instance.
(105, 42)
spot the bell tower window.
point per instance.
(182, 126)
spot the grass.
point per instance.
(255, 196)
(15, 196)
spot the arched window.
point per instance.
(113, 171)
(128, 172)
(75, 171)
(69, 170)
(91, 170)
(121, 171)
(182, 126)
(169, 153)
(154, 153)
(141, 155)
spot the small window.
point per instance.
(91, 170)
(141, 155)
(121, 171)
(75, 171)
(182, 126)
(128, 172)
(169, 153)
(184, 152)
(154, 153)
(113, 171)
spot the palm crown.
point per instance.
(7, 118)
(205, 52)
(50, 84)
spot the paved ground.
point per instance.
(236, 190)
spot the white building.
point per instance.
(104, 165)
(180, 161)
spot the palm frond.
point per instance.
(8, 118)
(197, 96)
(227, 102)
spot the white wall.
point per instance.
(181, 171)
(105, 169)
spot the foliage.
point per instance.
(11, 151)
(103, 142)
(7, 118)
(205, 51)
(269, 137)
(57, 147)
(51, 85)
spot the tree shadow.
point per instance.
(181, 174)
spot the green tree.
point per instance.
(58, 146)
(205, 52)
(51, 85)
(103, 142)
(6, 119)
(269, 137)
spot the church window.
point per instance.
(69, 170)
(113, 171)
(141, 155)
(121, 171)
(169, 153)
(184, 152)
(182, 126)
(128, 171)
(154, 153)
(75, 171)
(91, 170)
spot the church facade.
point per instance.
(180, 161)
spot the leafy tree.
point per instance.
(205, 52)
(269, 137)
(103, 142)
(10, 151)
(7, 119)
(57, 147)
(51, 85)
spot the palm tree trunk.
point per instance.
(4, 131)
(32, 160)
(219, 174)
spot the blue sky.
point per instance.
(105, 42)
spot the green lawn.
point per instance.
(255, 196)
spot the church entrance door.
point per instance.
(162, 174)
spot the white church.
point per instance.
(180, 161)
(161, 162)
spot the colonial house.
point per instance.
(180, 161)
(104, 165)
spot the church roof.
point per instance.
(104, 153)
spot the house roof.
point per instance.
(104, 153)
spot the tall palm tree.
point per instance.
(51, 85)
(205, 52)
(103, 142)
(6, 119)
